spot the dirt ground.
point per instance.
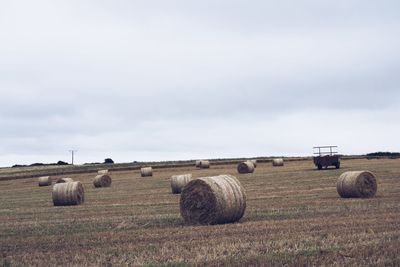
(294, 216)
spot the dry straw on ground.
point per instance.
(146, 171)
(102, 180)
(245, 167)
(44, 181)
(357, 184)
(65, 194)
(179, 181)
(204, 164)
(64, 180)
(102, 171)
(213, 200)
(277, 162)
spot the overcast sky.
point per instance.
(167, 80)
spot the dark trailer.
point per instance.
(326, 157)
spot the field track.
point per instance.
(294, 216)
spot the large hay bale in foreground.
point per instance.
(245, 167)
(44, 181)
(213, 200)
(102, 180)
(357, 184)
(204, 164)
(102, 171)
(277, 162)
(65, 194)
(64, 180)
(146, 171)
(254, 161)
(179, 181)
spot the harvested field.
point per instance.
(294, 216)
(64, 180)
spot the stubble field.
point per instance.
(294, 216)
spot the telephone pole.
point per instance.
(72, 155)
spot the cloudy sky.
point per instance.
(166, 80)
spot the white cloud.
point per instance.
(169, 80)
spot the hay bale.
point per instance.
(277, 162)
(102, 171)
(254, 161)
(65, 194)
(204, 164)
(146, 171)
(64, 180)
(179, 181)
(44, 181)
(245, 167)
(197, 164)
(357, 184)
(213, 200)
(102, 180)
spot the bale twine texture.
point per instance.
(357, 184)
(204, 164)
(44, 181)
(102, 180)
(102, 171)
(277, 162)
(64, 180)
(245, 167)
(213, 200)
(179, 181)
(65, 194)
(146, 171)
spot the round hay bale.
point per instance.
(102, 171)
(102, 180)
(213, 200)
(245, 167)
(146, 171)
(204, 164)
(64, 180)
(277, 162)
(179, 181)
(197, 164)
(65, 194)
(44, 181)
(357, 184)
(254, 161)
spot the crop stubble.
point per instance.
(294, 216)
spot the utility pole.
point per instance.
(72, 155)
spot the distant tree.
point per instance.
(384, 154)
(108, 161)
(37, 164)
(18, 166)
